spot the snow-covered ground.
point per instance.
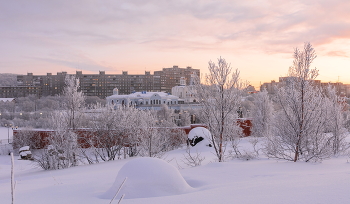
(236, 181)
(5, 133)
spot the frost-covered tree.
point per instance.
(220, 96)
(110, 133)
(165, 113)
(25, 137)
(63, 145)
(74, 101)
(262, 113)
(90, 101)
(8, 79)
(152, 142)
(336, 120)
(49, 103)
(185, 118)
(300, 125)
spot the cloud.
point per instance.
(56, 30)
(338, 54)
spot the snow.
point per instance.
(200, 132)
(5, 133)
(148, 177)
(25, 153)
(25, 148)
(234, 181)
(7, 99)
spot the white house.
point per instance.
(184, 92)
(142, 99)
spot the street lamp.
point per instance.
(8, 132)
(14, 128)
(193, 119)
(179, 120)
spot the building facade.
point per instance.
(339, 87)
(141, 99)
(170, 77)
(102, 84)
(187, 93)
(19, 91)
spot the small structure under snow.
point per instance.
(148, 177)
(199, 136)
(24, 153)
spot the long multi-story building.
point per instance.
(19, 91)
(339, 87)
(102, 84)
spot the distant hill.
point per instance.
(8, 79)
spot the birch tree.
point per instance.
(336, 120)
(63, 146)
(220, 96)
(74, 101)
(299, 128)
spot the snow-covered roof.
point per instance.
(144, 95)
(7, 99)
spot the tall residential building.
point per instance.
(170, 77)
(102, 84)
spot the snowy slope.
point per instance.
(236, 181)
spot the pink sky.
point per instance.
(257, 37)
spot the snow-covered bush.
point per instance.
(62, 151)
(25, 137)
(192, 157)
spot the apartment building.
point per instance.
(102, 84)
(19, 91)
(170, 77)
(339, 87)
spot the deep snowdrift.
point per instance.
(148, 177)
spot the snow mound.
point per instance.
(148, 177)
(199, 137)
(25, 148)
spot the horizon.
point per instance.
(256, 37)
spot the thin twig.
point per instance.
(121, 198)
(12, 179)
(120, 187)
